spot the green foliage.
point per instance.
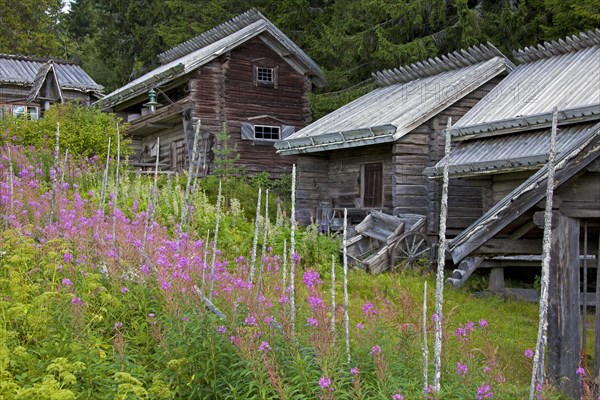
(83, 130)
(225, 155)
(30, 27)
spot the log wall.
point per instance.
(423, 147)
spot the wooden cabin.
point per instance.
(503, 144)
(28, 86)
(370, 154)
(244, 74)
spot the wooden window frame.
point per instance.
(273, 72)
(271, 127)
(363, 184)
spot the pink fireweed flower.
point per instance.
(324, 382)
(250, 320)
(283, 300)
(310, 278)
(68, 257)
(360, 325)
(315, 303)
(221, 329)
(118, 325)
(354, 371)
(151, 315)
(581, 372)
(375, 350)
(397, 396)
(528, 353)
(124, 290)
(484, 392)
(67, 282)
(311, 321)
(76, 301)
(483, 323)
(462, 369)
(264, 347)
(368, 310)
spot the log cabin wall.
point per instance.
(335, 179)
(284, 102)
(414, 193)
(225, 90)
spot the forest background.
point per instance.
(116, 41)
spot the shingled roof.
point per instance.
(196, 52)
(22, 71)
(406, 97)
(563, 74)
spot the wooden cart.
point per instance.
(384, 241)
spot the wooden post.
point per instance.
(105, 179)
(425, 345)
(563, 306)
(537, 372)
(585, 282)
(292, 250)
(214, 249)
(333, 296)
(597, 344)
(441, 260)
(255, 240)
(496, 280)
(346, 318)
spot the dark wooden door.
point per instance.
(372, 185)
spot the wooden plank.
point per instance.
(524, 200)
(563, 308)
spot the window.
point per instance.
(265, 76)
(265, 132)
(29, 112)
(372, 185)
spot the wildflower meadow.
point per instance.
(107, 292)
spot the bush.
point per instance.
(83, 130)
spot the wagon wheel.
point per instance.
(410, 248)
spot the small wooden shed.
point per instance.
(245, 74)
(370, 154)
(503, 144)
(28, 86)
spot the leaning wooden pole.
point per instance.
(11, 181)
(264, 249)
(585, 283)
(332, 296)
(292, 255)
(64, 166)
(214, 249)
(537, 373)
(255, 240)
(441, 263)
(114, 225)
(346, 318)
(55, 176)
(284, 269)
(191, 170)
(105, 179)
(152, 203)
(425, 345)
(597, 343)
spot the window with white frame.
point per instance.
(29, 112)
(267, 132)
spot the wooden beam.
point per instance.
(500, 247)
(522, 230)
(563, 308)
(522, 199)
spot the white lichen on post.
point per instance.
(597, 343)
(537, 373)
(584, 296)
(204, 263)
(264, 248)
(255, 240)
(346, 318)
(116, 202)
(152, 203)
(55, 176)
(11, 181)
(191, 170)
(214, 249)
(105, 179)
(292, 250)
(425, 346)
(441, 260)
(332, 295)
(284, 268)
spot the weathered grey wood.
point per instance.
(464, 271)
(525, 200)
(563, 307)
(496, 283)
(597, 343)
